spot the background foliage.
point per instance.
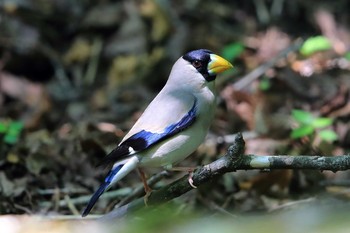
(75, 75)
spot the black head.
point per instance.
(200, 59)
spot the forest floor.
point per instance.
(76, 75)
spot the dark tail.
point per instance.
(101, 190)
(94, 198)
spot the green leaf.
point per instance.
(232, 51)
(322, 122)
(3, 127)
(13, 132)
(328, 135)
(16, 125)
(264, 84)
(347, 56)
(302, 131)
(315, 44)
(15, 128)
(302, 117)
(10, 139)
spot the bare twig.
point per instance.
(84, 199)
(140, 190)
(256, 73)
(291, 204)
(93, 63)
(340, 183)
(71, 205)
(233, 160)
(213, 206)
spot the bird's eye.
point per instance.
(196, 64)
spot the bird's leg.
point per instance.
(185, 169)
(148, 189)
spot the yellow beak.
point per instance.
(218, 64)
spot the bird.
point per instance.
(173, 125)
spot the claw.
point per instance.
(190, 180)
(190, 173)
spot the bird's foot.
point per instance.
(145, 198)
(190, 173)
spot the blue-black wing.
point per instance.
(145, 139)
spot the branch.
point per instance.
(232, 161)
